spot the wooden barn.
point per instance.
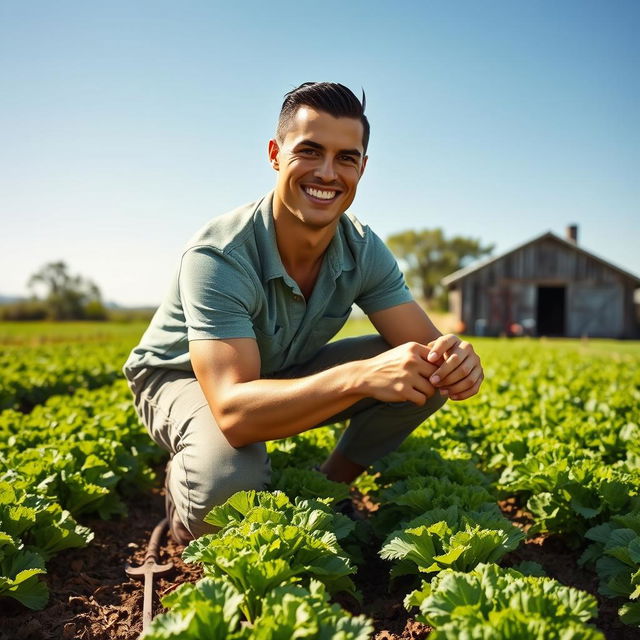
(548, 286)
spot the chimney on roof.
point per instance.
(572, 233)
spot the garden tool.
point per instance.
(149, 569)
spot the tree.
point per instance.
(67, 297)
(429, 257)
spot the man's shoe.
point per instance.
(178, 531)
(347, 508)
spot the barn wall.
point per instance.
(599, 299)
(455, 304)
(595, 310)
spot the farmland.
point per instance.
(513, 515)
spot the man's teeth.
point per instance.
(323, 195)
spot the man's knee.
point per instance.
(207, 470)
(435, 402)
(408, 415)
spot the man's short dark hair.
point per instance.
(332, 98)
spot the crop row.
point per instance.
(31, 375)
(271, 549)
(72, 456)
(456, 548)
(561, 433)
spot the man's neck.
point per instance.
(302, 248)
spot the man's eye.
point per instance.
(350, 159)
(308, 152)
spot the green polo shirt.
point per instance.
(231, 283)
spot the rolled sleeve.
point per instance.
(383, 285)
(217, 294)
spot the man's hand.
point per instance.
(460, 375)
(398, 375)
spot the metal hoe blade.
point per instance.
(149, 569)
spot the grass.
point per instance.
(31, 333)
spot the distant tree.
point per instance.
(429, 256)
(68, 297)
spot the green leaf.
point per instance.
(19, 569)
(630, 613)
(416, 597)
(490, 602)
(26, 589)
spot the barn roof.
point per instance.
(460, 274)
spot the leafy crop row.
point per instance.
(278, 561)
(493, 603)
(455, 548)
(615, 552)
(31, 375)
(560, 436)
(68, 457)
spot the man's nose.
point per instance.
(325, 170)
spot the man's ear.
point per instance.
(364, 164)
(274, 150)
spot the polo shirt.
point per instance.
(231, 283)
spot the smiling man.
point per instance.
(238, 353)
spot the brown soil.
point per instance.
(91, 597)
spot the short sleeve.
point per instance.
(383, 284)
(217, 294)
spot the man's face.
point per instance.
(319, 163)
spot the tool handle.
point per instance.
(154, 541)
(147, 606)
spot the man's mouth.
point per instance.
(321, 194)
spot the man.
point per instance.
(237, 353)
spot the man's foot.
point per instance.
(178, 531)
(347, 508)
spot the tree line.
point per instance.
(56, 294)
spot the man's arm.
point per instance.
(404, 323)
(250, 409)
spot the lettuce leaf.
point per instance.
(490, 602)
(19, 570)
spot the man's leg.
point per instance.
(339, 468)
(375, 428)
(205, 468)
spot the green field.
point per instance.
(25, 333)
(555, 431)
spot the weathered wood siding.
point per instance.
(598, 298)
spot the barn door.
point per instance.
(551, 311)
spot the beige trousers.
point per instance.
(206, 469)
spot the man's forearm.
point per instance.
(249, 409)
(268, 409)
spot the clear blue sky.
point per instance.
(125, 126)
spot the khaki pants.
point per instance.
(206, 469)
